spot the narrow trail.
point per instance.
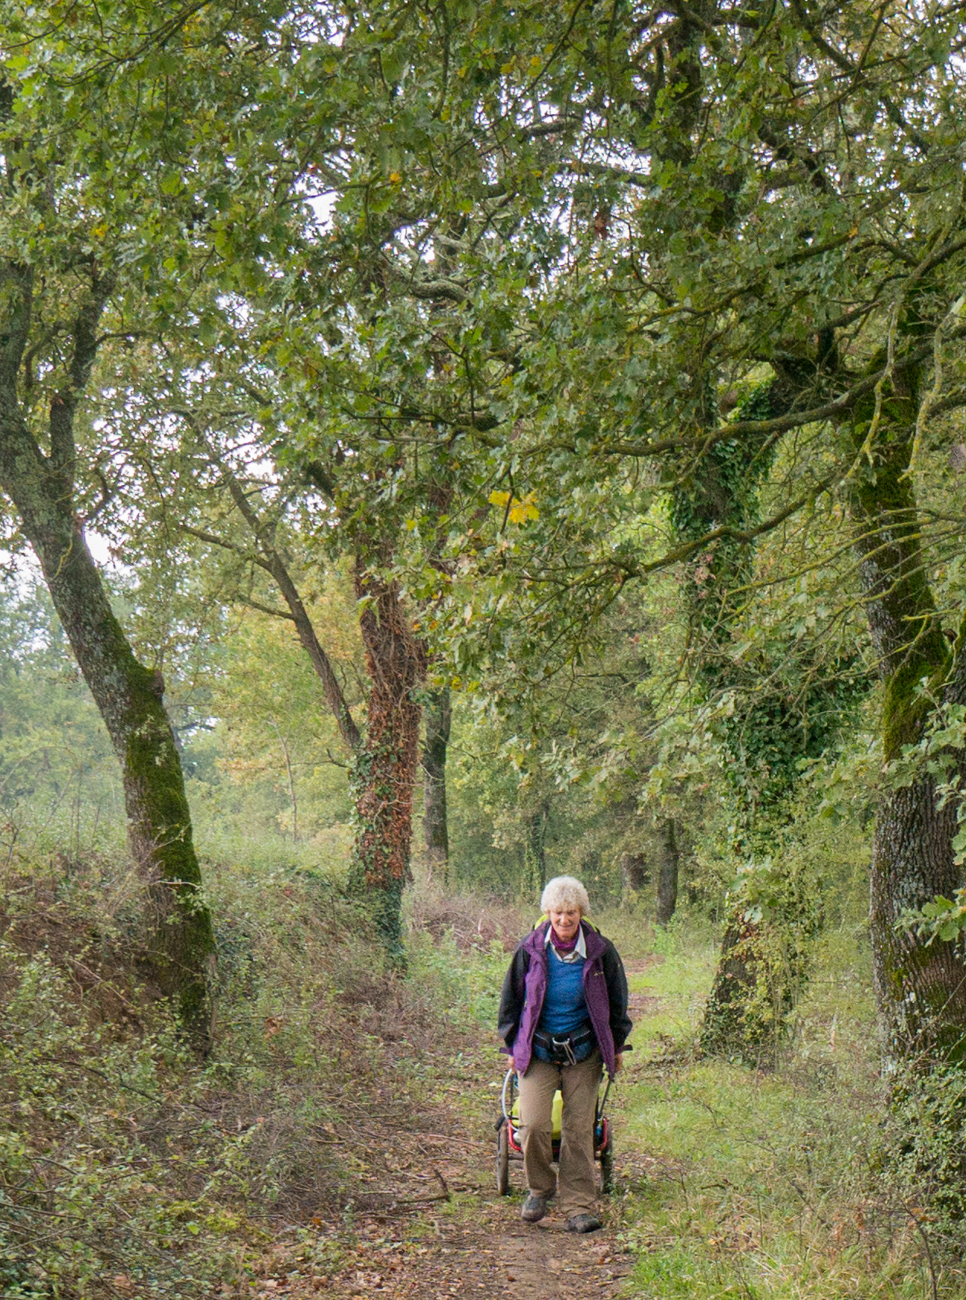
(433, 1226)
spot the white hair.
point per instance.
(563, 893)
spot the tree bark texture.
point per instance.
(535, 848)
(920, 989)
(437, 714)
(667, 880)
(634, 873)
(128, 695)
(385, 771)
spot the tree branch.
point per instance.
(303, 624)
(63, 404)
(267, 609)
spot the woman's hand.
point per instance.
(618, 1061)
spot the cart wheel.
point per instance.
(607, 1166)
(503, 1161)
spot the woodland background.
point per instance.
(444, 446)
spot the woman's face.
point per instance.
(565, 921)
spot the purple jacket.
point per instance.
(525, 986)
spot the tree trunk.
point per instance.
(733, 1023)
(385, 771)
(383, 763)
(763, 964)
(634, 873)
(128, 695)
(435, 827)
(129, 698)
(667, 880)
(920, 990)
(535, 849)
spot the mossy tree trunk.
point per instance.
(920, 990)
(749, 984)
(129, 696)
(385, 771)
(438, 714)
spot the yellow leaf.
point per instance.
(521, 511)
(395, 178)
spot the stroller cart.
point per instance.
(508, 1143)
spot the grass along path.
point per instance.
(732, 1184)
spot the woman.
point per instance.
(563, 1016)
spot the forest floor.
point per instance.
(342, 1140)
(731, 1182)
(433, 1226)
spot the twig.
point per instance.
(925, 1241)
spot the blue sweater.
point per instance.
(564, 1006)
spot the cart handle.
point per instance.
(510, 1074)
(603, 1101)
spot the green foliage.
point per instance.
(89, 1192)
(924, 1161)
(279, 757)
(943, 919)
(469, 313)
(58, 778)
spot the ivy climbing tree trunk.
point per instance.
(764, 962)
(920, 990)
(385, 772)
(437, 714)
(384, 757)
(128, 695)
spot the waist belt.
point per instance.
(563, 1050)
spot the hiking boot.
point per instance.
(534, 1208)
(583, 1223)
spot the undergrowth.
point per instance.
(127, 1166)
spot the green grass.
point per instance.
(764, 1185)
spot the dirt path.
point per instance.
(497, 1256)
(474, 1245)
(428, 1224)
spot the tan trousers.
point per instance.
(578, 1084)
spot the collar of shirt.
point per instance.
(579, 952)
